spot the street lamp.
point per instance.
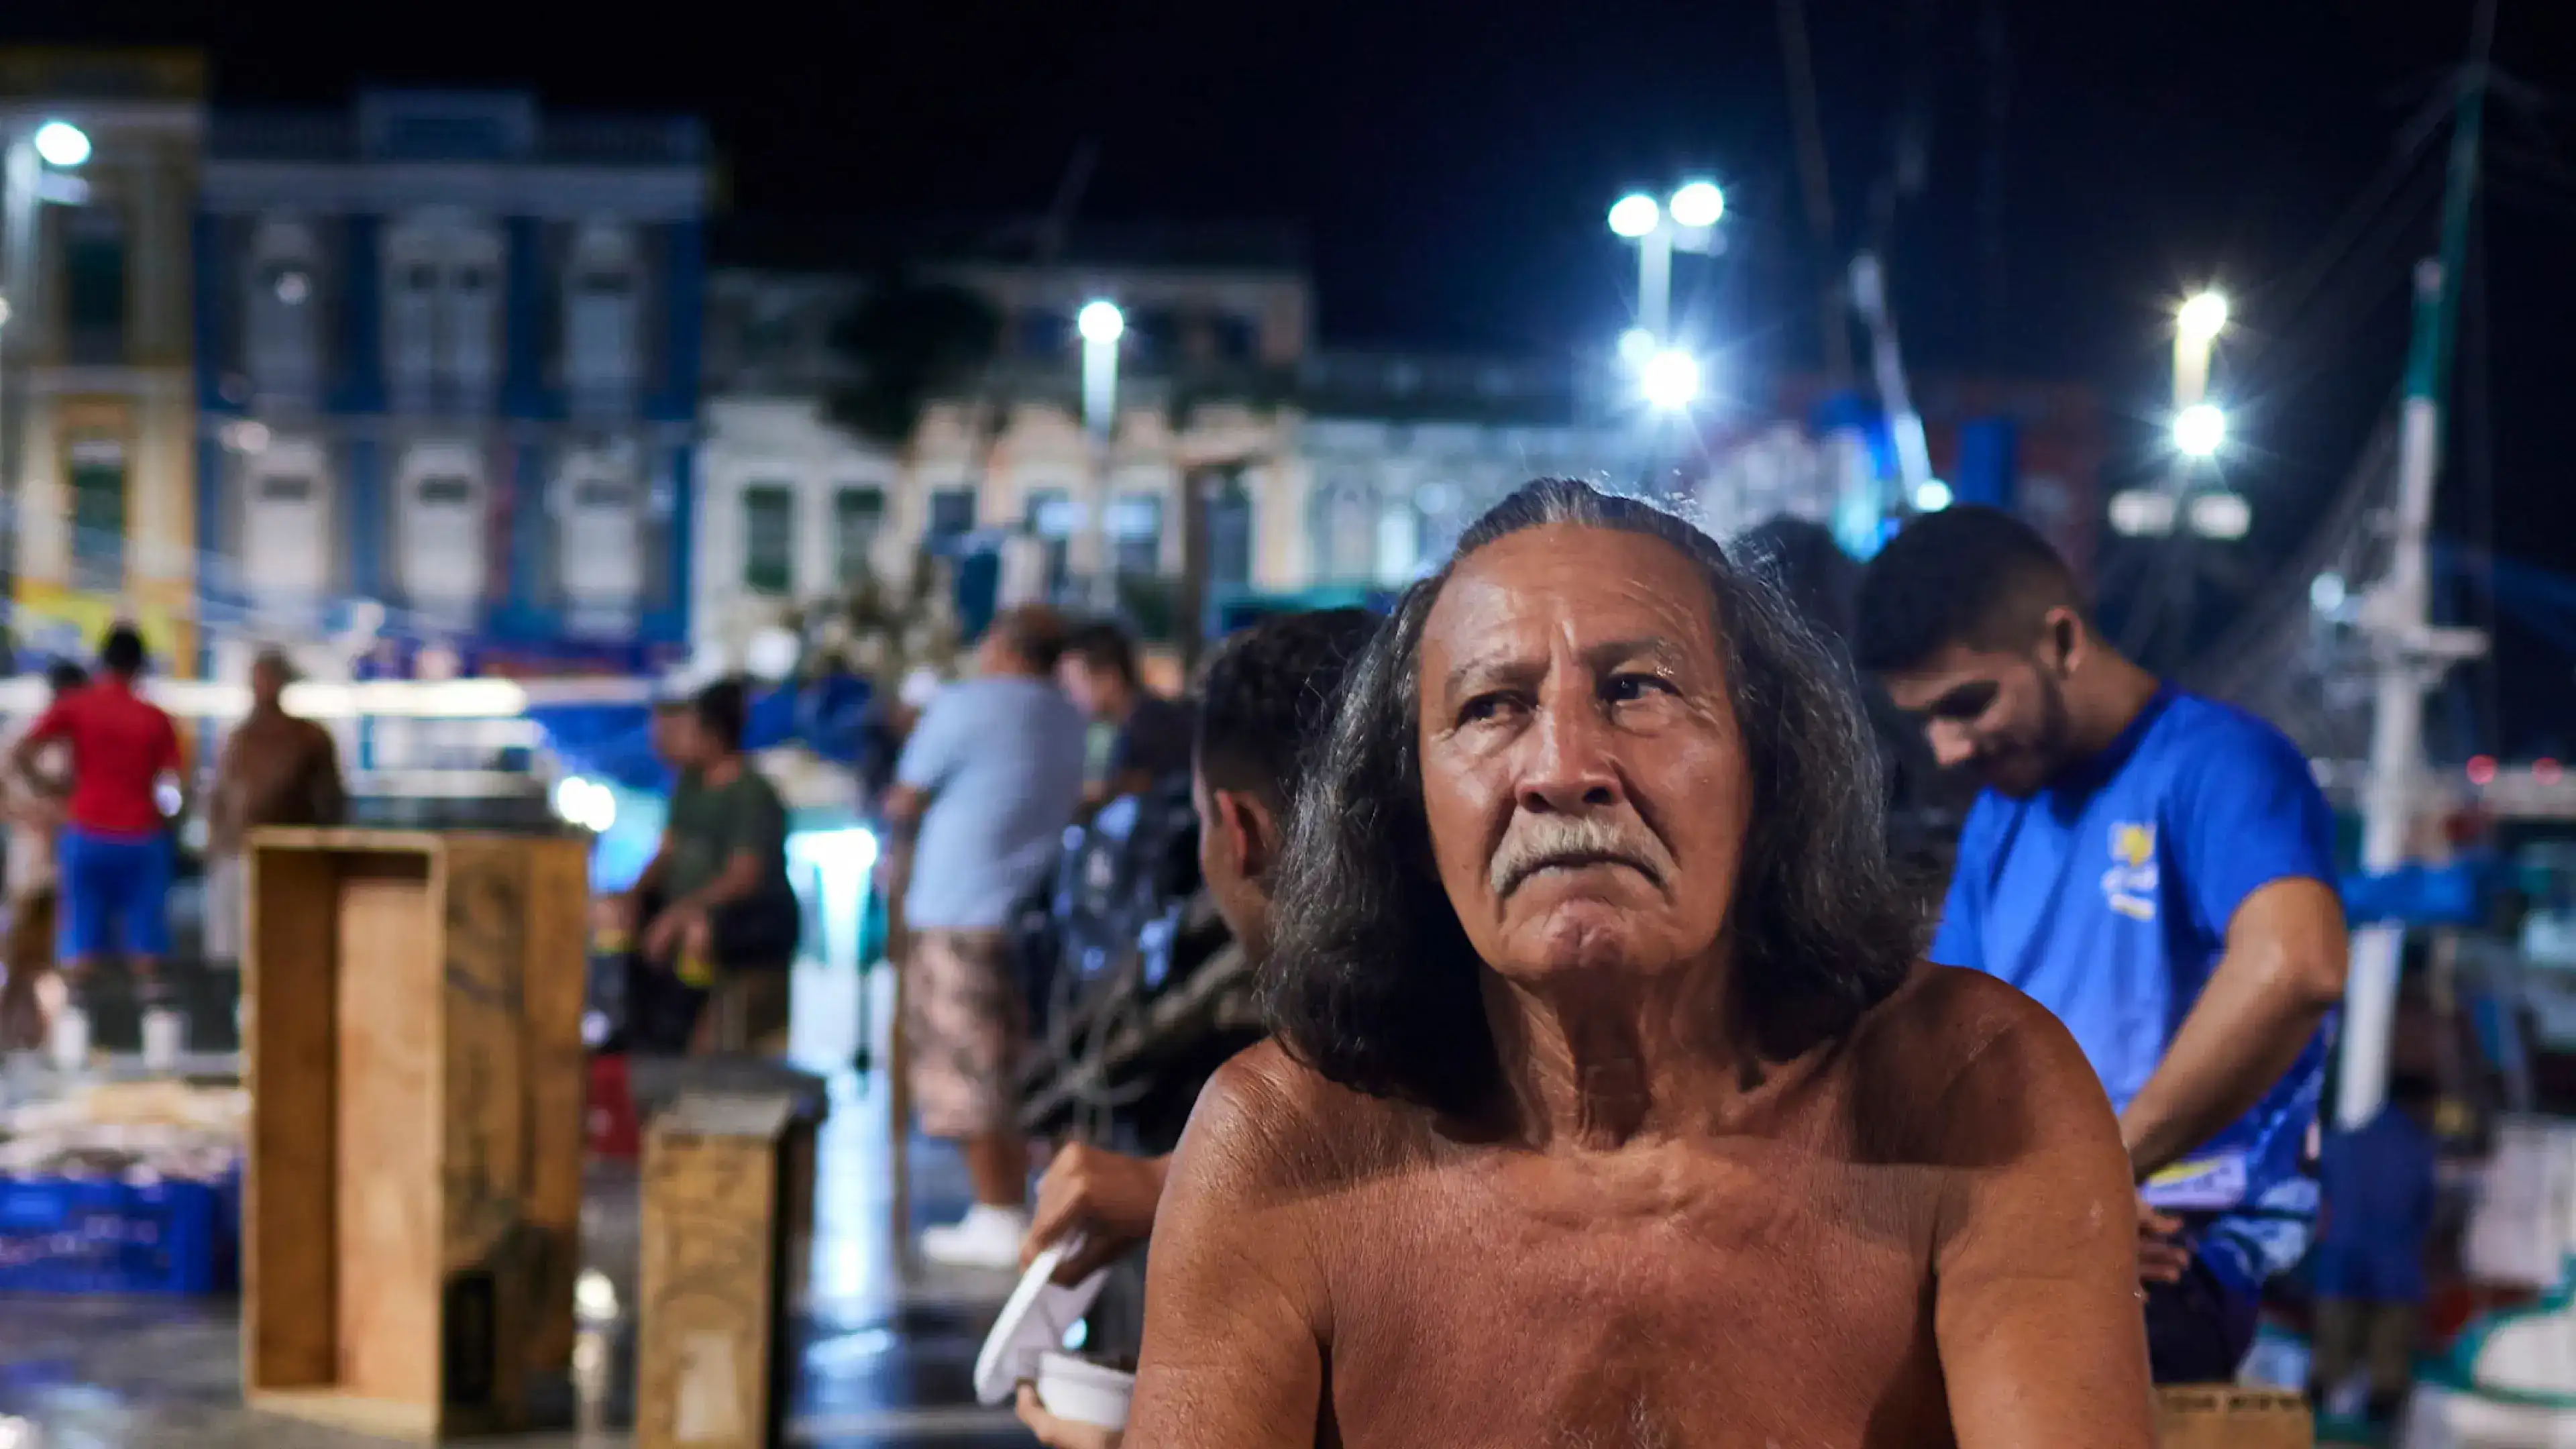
(62, 144)
(1101, 325)
(2197, 323)
(1669, 380)
(1687, 223)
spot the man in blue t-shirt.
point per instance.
(2155, 868)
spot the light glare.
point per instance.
(1635, 215)
(62, 144)
(1932, 497)
(2200, 429)
(1635, 346)
(1670, 379)
(1101, 322)
(1699, 203)
(2204, 316)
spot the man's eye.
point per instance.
(1624, 688)
(1484, 707)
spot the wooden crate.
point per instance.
(412, 1042)
(728, 1217)
(2223, 1416)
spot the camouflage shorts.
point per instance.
(964, 1020)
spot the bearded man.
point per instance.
(1610, 1102)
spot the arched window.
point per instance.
(603, 359)
(1346, 530)
(283, 298)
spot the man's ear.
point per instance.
(2066, 638)
(1251, 831)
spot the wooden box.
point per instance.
(412, 1041)
(2223, 1416)
(728, 1216)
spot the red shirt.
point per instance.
(120, 748)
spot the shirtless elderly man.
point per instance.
(1610, 1104)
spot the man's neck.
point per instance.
(1654, 1056)
(2110, 704)
(721, 772)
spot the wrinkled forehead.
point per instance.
(1569, 589)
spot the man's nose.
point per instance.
(1570, 768)
(1951, 746)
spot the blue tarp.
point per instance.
(2419, 895)
(615, 742)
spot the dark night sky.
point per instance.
(1450, 164)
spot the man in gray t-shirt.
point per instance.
(986, 785)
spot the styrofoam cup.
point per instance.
(69, 1043)
(165, 1036)
(1085, 1392)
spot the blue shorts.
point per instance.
(115, 896)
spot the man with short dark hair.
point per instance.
(986, 785)
(1611, 1103)
(115, 842)
(2155, 868)
(724, 913)
(1152, 743)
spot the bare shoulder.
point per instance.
(1268, 1126)
(1959, 1056)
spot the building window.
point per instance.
(98, 514)
(602, 521)
(412, 328)
(1044, 334)
(284, 547)
(1051, 522)
(602, 335)
(858, 515)
(1399, 543)
(952, 514)
(473, 329)
(281, 329)
(1347, 532)
(1229, 533)
(1238, 339)
(769, 538)
(95, 287)
(1136, 533)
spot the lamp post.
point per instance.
(34, 169)
(1687, 222)
(1101, 325)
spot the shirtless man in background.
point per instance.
(1611, 1105)
(276, 769)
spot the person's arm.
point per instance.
(2282, 973)
(1109, 1197)
(930, 755)
(2035, 1282)
(1233, 1303)
(53, 724)
(2257, 850)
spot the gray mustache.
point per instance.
(1540, 841)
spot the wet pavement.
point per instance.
(886, 1349)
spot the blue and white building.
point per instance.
(447, 376)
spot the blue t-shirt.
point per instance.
(2106, 898)
(1002, 762)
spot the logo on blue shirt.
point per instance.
(2129, 886)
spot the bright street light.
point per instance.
(1932, 497)
(1101, 322)
(1635, 215)
(1699, 203)
(1636, 345)
(2203, 317)
(62, 144)
(1670, 379)
(2199, 429)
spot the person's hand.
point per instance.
(2162, 1254)
(615, 914)
(1058, 1433)
(1106, 1196)
(662, 938)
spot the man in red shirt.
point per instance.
(114, 854)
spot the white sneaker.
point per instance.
(987, 1237)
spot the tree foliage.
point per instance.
(910, 342)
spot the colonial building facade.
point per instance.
(447, 371)
(96, 415)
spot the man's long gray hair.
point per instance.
(1372, 981)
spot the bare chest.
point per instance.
(1756, 1298)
